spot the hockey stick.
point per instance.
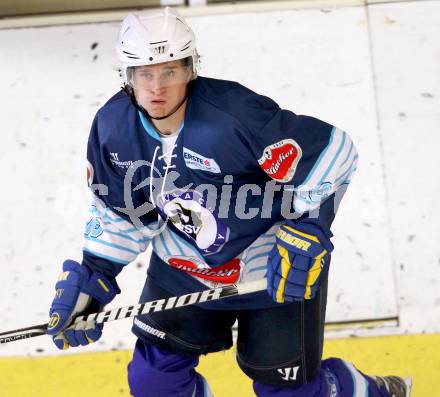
(172, 302)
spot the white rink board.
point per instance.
(407, 59)
(318, 63)
(53, 89)
(310, 61)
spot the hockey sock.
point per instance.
(157, 372)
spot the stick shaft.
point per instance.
(23, 333)
(170, 303)
(175, 302)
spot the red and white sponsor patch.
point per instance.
(90, 173)
(280, 159)
(225, 274)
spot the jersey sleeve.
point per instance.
(313, 158)
(110, 237)
(111, 241)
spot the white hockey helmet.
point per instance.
(153, 37)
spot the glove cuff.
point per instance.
(94, 284)
(101, 288)
(316, 230)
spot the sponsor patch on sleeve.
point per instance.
(280, 160)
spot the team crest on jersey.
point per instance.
(198, 162)
(228, 273)
(280, 160)
(188, 213)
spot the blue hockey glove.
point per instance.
(295, 263)
(78, 291)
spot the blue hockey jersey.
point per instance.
(239, 167)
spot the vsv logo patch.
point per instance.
(188, 212)
(196, 161)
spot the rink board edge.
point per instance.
(104, 374)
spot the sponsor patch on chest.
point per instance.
(196, 161)
(114, 159)
(280, 159)
(227, 273)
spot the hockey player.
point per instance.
(227, 187)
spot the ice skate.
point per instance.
(396, 386)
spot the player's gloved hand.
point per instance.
(295, 263)
(78, 291)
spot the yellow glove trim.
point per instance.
(313, 275)
(54, 320)
(309, 236)
(65, 345)
(285, 269)
(63, 276)
(63, 338)
(88, 339)
(103, 286)
(293, 240)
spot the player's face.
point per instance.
(160, 88)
